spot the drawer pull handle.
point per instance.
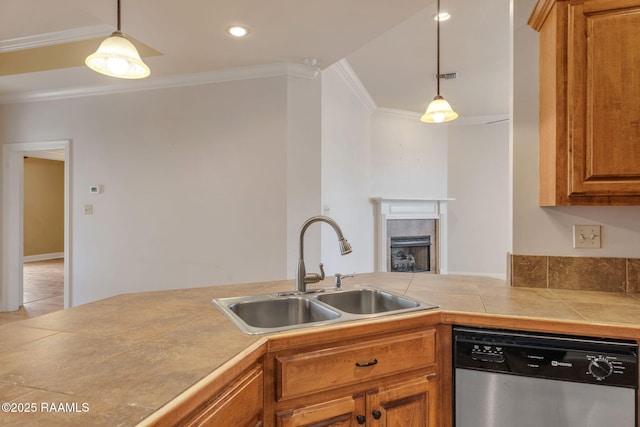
(365, 364)
(376, 414)
(361, 419)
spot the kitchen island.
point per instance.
(132, 358)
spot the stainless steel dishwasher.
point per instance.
(507, 378)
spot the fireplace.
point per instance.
(410, 254)
(410, 235)
(414, 240)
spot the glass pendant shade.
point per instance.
(439, 111)
(117, 57)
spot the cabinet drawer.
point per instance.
(319, 370)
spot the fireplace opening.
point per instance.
(411, 254)
(408, 219)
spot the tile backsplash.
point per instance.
(577, 273)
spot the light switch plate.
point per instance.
(586, 236)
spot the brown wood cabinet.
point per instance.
(241, 404)
(230, 397)
(341, 412)
(589, 109)
(392, 379)
(410, 403)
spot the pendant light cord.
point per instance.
(437, 47)
(438, 110)
(119, 14)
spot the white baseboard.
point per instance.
(43, 257)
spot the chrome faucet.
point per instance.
(302, 278)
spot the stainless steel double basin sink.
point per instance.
(260, 314)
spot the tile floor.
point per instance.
(43, 290)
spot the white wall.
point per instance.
(210, 184)
(391, 153)
(548, 231)
(195, 182)
(478, 168)
(303, 167)
(345, 175)
(408, 157)
(192, 174)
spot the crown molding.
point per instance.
(226, 75)
(402, 113)
(354, 82)
(462, 121)
(56, 37)
(480, 120)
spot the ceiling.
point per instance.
(389, 44)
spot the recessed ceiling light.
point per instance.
(238, 31)
(442, 16)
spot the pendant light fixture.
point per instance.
(117, 57)
(439, 110)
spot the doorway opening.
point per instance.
(43, 230)
(13, 289)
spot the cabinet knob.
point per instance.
(376, 414)
(361, 419)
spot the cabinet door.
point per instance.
(603, 91)
(344, 412)
(241, 405)
(409, 404)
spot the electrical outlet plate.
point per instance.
(586, 236)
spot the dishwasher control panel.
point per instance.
(560, 357)
(485, 352)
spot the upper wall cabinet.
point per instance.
(589, 101)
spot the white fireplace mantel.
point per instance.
(405, 208)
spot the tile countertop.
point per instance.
(116, 361)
